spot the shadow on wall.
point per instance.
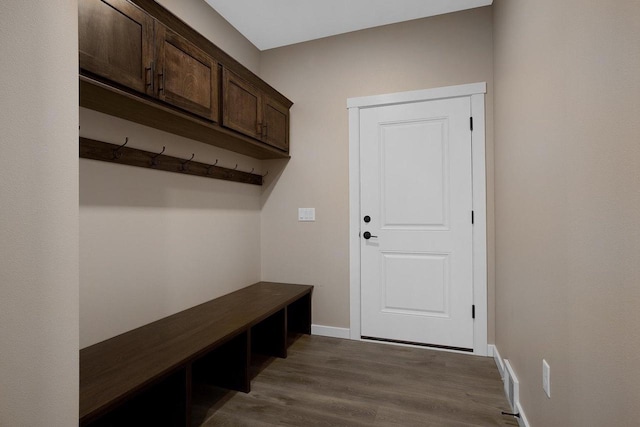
(275, 168)
(113, 185)
(108, 184)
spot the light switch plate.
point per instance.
(306, 214)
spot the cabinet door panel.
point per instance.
(241, 105)
(187, 77)
(275, 124)
(115, 39)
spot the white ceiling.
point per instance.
(274, 23)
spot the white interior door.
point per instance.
(416, 205)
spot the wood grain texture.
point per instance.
(275, 123)
(175, 86)
(333, 382)
(115, 42)
(106, 152)
(116, 369)
(103, 97)
(180, 27)
(241, 105)
(187, 77)
(253, 112)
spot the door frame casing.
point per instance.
(476, 92)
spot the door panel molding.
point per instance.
(389, 175)
(476, 92)
(416, 306)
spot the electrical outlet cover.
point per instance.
(546, 378)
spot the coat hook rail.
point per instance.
(114, 153)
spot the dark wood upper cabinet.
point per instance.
(248, 110)
(186, 76)
(141, 63)
(115, 42)
(241, 105)
(275, 121)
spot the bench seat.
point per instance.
(262, 315)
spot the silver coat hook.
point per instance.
(265, 174)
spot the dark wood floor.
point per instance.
(334, 382)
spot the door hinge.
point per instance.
(473, 311)
(471, 123)
(472, 217)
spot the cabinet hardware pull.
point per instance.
(148, 75)
(161, 81)
(266, 132)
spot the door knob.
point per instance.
(368, 235)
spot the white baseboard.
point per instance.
(511, 381)
(522, 421)
(508, 374)
(493, 351)
(330, 331)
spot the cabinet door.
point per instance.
(115, 41)
(275, 123)
(186, 76)
(241, 105)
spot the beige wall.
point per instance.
(319, 76)
(153, 243)
(567, 186)
(39, 214)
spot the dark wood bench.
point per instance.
(145, 376)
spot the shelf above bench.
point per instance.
(105, 98)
